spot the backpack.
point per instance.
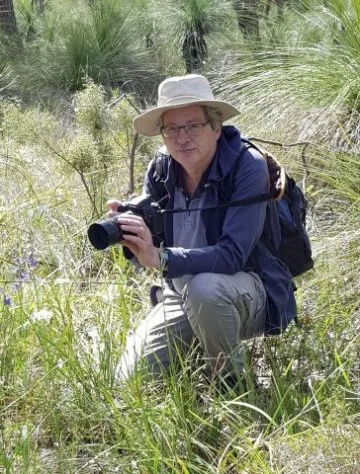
(291, 206)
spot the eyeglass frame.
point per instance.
(185, 127)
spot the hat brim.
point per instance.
(148, 123)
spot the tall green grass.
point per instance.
(66, 311)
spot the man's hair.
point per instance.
(213, 116)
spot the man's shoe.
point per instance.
(156, 295)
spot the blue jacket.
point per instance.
(240, 238)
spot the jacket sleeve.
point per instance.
(241, 230)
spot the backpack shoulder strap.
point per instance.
(159, 168)
(277, 174)
(161, 164)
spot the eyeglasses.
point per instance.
(192, 130)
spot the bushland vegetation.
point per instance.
(73, 74)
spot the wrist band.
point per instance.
(164, 259)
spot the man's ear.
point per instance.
(218, 131)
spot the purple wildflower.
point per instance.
(7, 300)
(16, 286)
(22, 271)
(32, 261)
(23, 275)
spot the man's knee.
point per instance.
(213, 319)
(205, 289)
(204, 297)
(234, 305)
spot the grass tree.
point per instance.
(311, 80)
(8, 80)
(93, 39)
(188, 23)
(247, 14)
(280, 7)
(7, 17)
(28, 13)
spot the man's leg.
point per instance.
(164, 333)
(223, 310)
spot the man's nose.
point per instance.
(182, 136)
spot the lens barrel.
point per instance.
(104, 233)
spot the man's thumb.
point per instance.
(113, 204)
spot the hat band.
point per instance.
(183, 99)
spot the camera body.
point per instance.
(106, 232)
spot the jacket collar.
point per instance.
(228, 149)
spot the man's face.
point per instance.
(191, 152)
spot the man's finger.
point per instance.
(132, 229)
(111, 214)
(113, 204)
(130, 245)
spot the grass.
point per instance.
(66, 310)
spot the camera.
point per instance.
(106, 232)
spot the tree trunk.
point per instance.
(38, 5)
(7, 17)
(280, 8)
(247, 17)
(194, 48)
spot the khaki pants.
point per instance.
(217, 310)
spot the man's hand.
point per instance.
(113, 206)
(139, 242)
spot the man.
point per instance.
(223, 284)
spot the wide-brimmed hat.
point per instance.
(176, 92)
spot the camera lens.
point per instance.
(104, 233)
